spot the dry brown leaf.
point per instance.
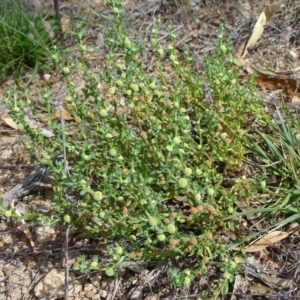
(258, 29)
(62, 112)
(66, 24)
(271, 9)
(257, 32)
(264, 72)
(259, 289)
(181, 199)
(294, 228)
(267, 240)
(24, 227)
(10, 122)
(151, 296)
(295, 100)
(136, 266)
(288, 84)
(271, 281)
(227, 129)
(10, 140)
(241, 50)
(240, 61)
(275, 282)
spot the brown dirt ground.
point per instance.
(39, 272)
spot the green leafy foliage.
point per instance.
(278, 161)
(25, 38)
(160, 172)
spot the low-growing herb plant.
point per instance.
(155, 165)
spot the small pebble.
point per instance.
(47, 76)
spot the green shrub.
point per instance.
(158, 178)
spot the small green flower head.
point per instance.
(134, 87)
(210, 191)
(154, 41)
(119, 83)
(153, 31)
(198, 197)
(112, 90)
(113, 152)
(86, 157)
(98, 196)
(161, 237)
(102, 214)
(172, 58)
(143, 202)
(68, 98)
(103, 113)
(127, 43)
(233, 265)
(132, 238)
(131, 105)
(152, 86)
(20, 127)
(94, 264)
(223, 135)
(223, 48)
(226, 275)
(160, 52)
(67, 218)
(8, 213)
(182, 182)
(119, 250)
(83, 48)
(230, 209)
(187, 281)
(157, 93)
(108, 136)
(128, 92)
(171, 228)
(116, 10)
(187, 272)
(169, 148)
(188, 172)
(66, 70)
(176, 140)
(152, 221)
(109, 272)
(83, 182)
